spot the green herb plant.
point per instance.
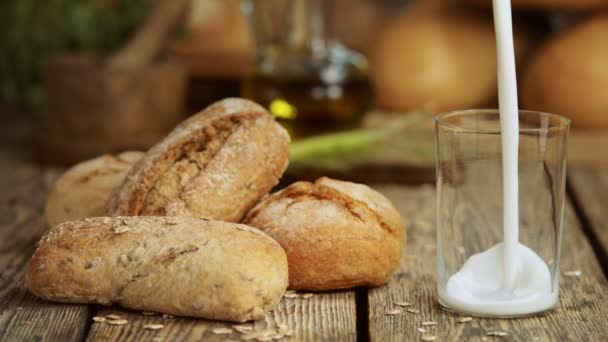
(397, 141)
(34, 31)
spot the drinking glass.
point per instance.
(470, 197)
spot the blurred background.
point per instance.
(356, 82)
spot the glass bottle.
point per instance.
(306, 78)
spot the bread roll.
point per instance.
(437, 56)
(83, 190)
(569, 73)
(177, 265)
(336, 234)
(217, 164)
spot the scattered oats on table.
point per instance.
(414, 311)
(117, 321)
(428, 323)
(421, 330)
(306, 295)
(464, 319)
(153, 326)
(291, 295)
(392, 312)
(573, 273)
(497, 333)
(242, 328)
(113, 316)
(99, 319)
(403, 304)
(221, 331)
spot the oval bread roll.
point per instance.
(336, 234)
(217, 164)
(177, 265)
(568, 74)
(83, 190)
(439, 56)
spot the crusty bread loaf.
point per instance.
(177, 265)
(336, 234)
(83, 190)
(217, 164)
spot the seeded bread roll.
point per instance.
(217, 164)
(177, 265)
(83, 190)
(336, 234)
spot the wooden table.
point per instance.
(582, 314)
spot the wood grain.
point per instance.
(581, 315)
(323, 317)
(589, 187)
(25, 317)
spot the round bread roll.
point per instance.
(568, 74)
(83, 190)
(437, 56)
(177, 265)
(336, 234)
(217, 165)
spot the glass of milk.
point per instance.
(475, 275)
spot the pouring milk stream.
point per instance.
(508, 278)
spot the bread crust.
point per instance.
(216, 164)
(176, 265)
(336, 234)
(83, 190)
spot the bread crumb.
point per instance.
(392, 312)
(242, 328)
(117, 321)
(153, 326)
(221, 331)
(403, 304)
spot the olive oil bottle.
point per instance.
(309, 81)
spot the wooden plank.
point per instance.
(581, 315)
(589, 187)
(23, 316)
(323, 317)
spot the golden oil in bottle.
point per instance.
(309, 105)
(307, 79)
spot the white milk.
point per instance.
(509, 278)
